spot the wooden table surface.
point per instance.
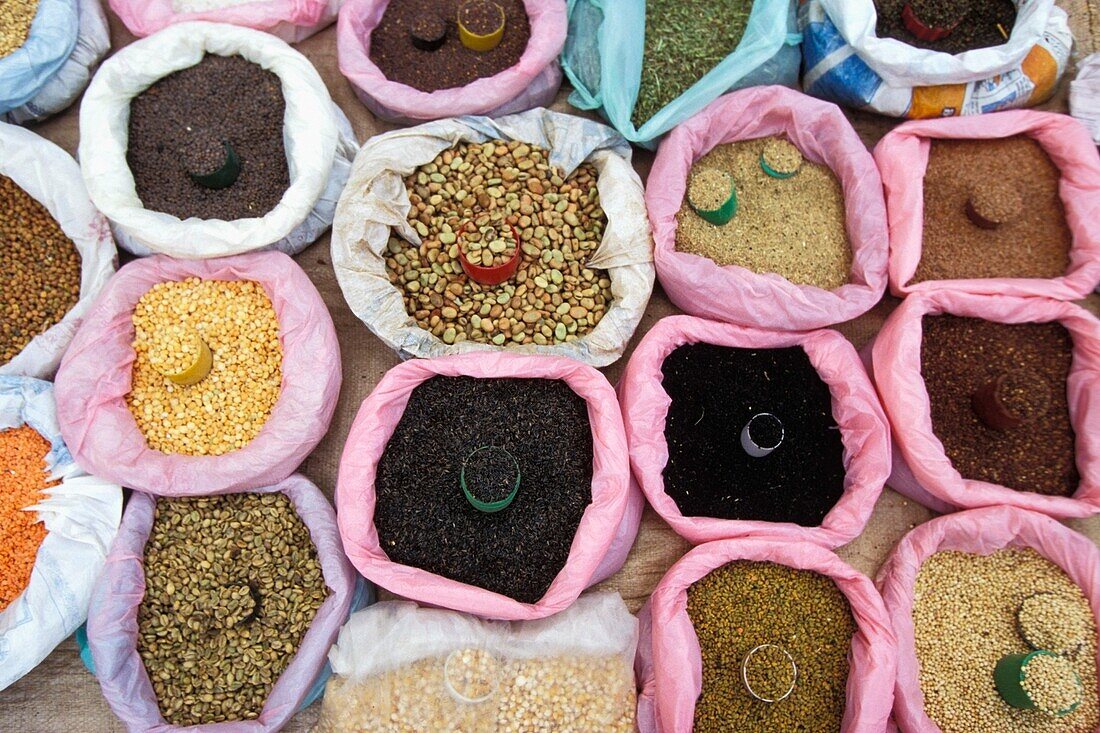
(60, 696)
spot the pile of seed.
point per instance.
(23, 479)
(978, 29)
(452, 64)
(232, 584)
(224, 97)
(554, 297)
(565, 693)
(39, 270)
(959, 356)
(486, 245)
(714, 391)
(684, 41)
(1051, 621)
(16, 17)
(1034, 244)
(965, 619)
(742, 605)
(794, 227)
(227, 409)
(423, 518)
(1052, 684)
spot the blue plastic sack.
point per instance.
(603, 60)
(49, 44)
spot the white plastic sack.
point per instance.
(376, 200)
(1084, 95)
(52, 177)
(377, 642)
(81, 515)
(845, 61)
(93, 40)
(319, 144)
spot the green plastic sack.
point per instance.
(603, 60)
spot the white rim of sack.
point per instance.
(902, 65)
(51, 177)
(309, 133)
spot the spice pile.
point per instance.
(224, 98)
(424, 519)
(966, 617)
(960, 356)
(684, 41)
(714, 391)
(578, 693)
(977, 22)
(794, 227)
(22, 480)
(1034, 240)
(39, 270)
(227, 409)
(232, 583)
(452, 64)
(554, 297)
(16, 17)
(740, 606)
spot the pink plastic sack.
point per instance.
(922, 470)
(608, 526)
(980, 531)
(732, 293)
(669, 667)
(112, 618)
(902, 157)
(533, 82)
(94, 380)
(290, 20)
(863, 428)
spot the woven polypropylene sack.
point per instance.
(981, 532)
(113, 618)
(318, 137)
(81, 516)
(95, 378)
(50, 176)
(863, 427)
(290, 20)
(732, 293)
(902, 158)
(607, 528)
(61, 88)
(669, 667)
(376, 200)
(921, 468)
(844, 61)
(532, 82)
(603, 59)
(378, 646)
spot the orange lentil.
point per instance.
(22, 478)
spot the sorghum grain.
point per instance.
(794, 227)
(742, 605)
(964, 621)
(553, 298)
(1033, 244)
(227, 409)
(39, 270)
(23, 478)
(232, 583)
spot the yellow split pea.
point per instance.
(227, 409)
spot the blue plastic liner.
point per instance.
(49, 44)
(603, 60)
